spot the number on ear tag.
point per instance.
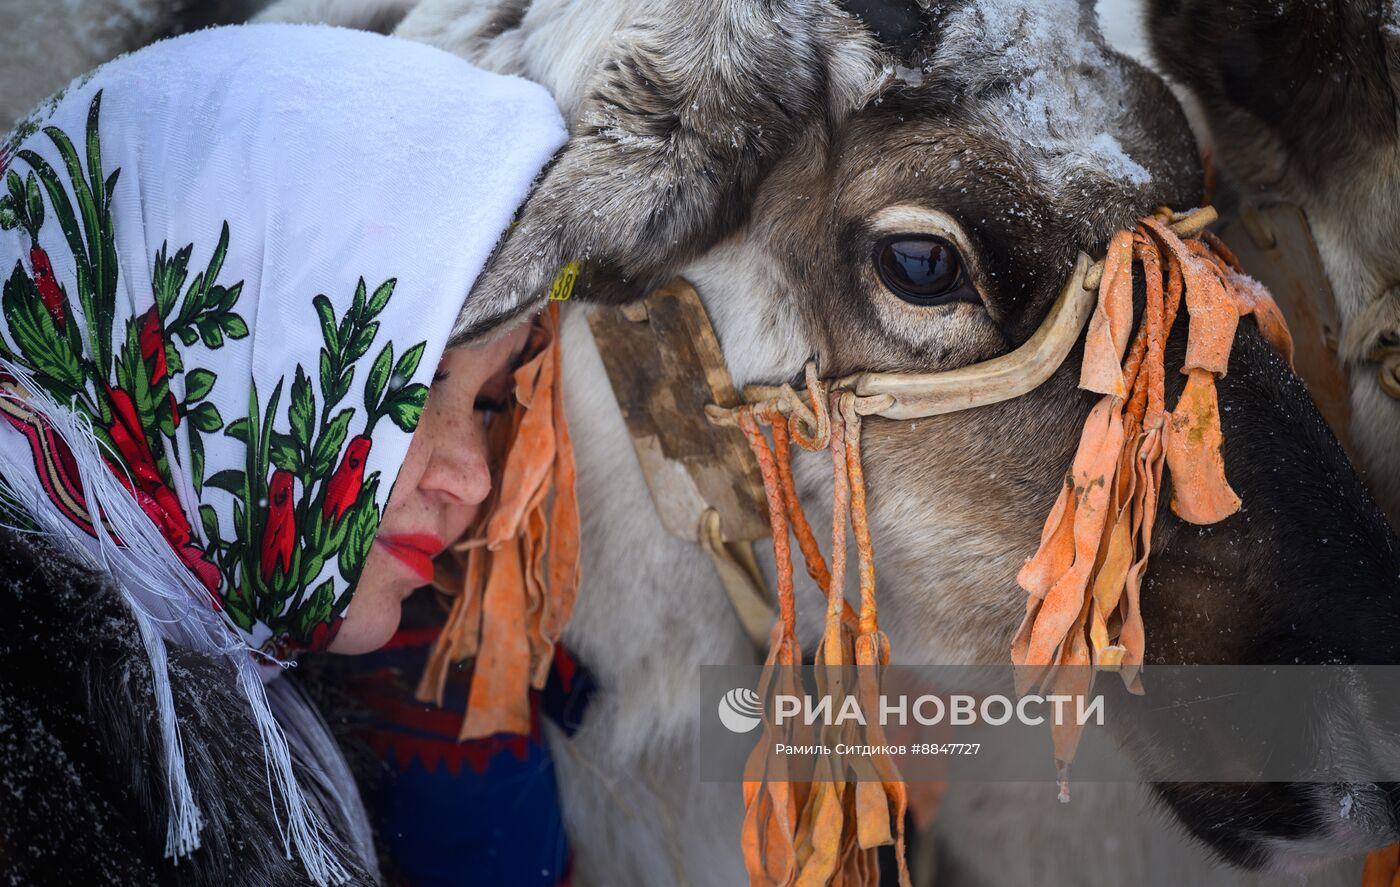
(563, 286)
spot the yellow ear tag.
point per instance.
(563, 286)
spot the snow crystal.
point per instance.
(1390, 19)
(1060, 87)
(908, 76)
(1119, 164)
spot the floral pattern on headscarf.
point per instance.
(229, 264)
(303, 509)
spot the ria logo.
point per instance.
(740, 710)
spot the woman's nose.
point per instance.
(458, 472)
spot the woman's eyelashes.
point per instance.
(485, 404)
(495, 395)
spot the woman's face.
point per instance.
(444, 479)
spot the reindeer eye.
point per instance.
(922, 269)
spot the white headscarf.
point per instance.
(230, 263)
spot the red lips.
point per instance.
(415, 550)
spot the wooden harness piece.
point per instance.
(665, 366)
(669, 374)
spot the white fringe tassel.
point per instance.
(170, 605)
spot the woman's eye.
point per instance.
(490, 405)
(922, 269)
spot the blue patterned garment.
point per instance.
(483, 812)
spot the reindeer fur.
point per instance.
(1301, 102)
(757, 146)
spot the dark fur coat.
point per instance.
(82, 787)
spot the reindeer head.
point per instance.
(904, 186)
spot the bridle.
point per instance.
(1082, 584)
(705, 484)
(1009, 376)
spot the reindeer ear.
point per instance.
(666, 151)
(1299, 98)
(1286, 82)
(895, 23)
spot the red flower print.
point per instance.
(323, 634)
(136, 452)
(131, 440)
(206, 572)
(158, 501)
(163, 508)
(280, 533)
(152, 341)
(48, 286)
(344, 486)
